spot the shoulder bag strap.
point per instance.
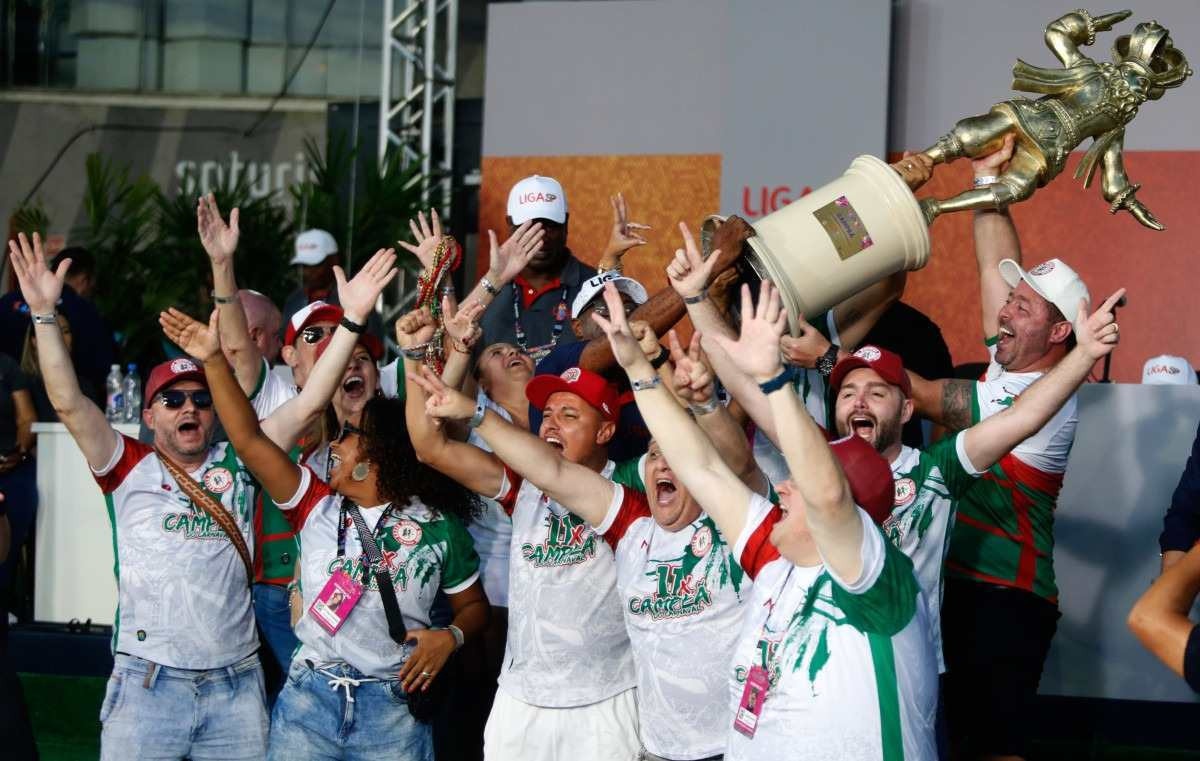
(383, 575)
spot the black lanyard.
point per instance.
(375, 563)
(560, 319)
(343, 513)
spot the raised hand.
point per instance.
(1098, 335)
(915, 169)
(415, 328)
(506, 261)
(195, 338)
(624, 345)
(219, 239)
(757, 348)
(646, 338)
(442, 402)
(462, 323)
(996, 162)
(806, 348)
(693, 377)
(427, 237)
(358, 296)
(40, 287)
(624, 234)
(689, 272)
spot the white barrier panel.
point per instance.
(1130, 448)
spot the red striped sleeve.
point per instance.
(308, 495)
(126, 456)
(509, 490)
(633, 505)
(758, 550)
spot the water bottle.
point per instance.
(132, 391)
(114, 408)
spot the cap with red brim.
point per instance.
(587, 385)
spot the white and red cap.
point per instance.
(587, 385)
(1053, 280)
(595, 286)
(1168, 370)
(537, 197)
(171, 372)
(313, 247)
(317, 311)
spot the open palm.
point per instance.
(195, 338)
(39, 286)
(757, 348)
(220, 240)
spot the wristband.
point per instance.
(826, 361)
(706, 408)
(457, 633)
(701, 296)
(222, 299)
(661, 359)
(779, 381)
(985, 180)
(50, 318)
(645, 385)
(488, 286)
(353, 327)
(477, 419)
(416, 353)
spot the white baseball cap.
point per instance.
(312, 246)
(1168, 370)
(537, 197)
(1053, 280)
(592, 288)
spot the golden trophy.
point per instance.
(867, 224)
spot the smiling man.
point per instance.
(184, 641)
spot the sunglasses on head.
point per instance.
(347, 429)
(314, 333)
(173, 399)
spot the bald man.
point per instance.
(263, 323)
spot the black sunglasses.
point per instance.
(347, 429)
(314, 333)
(173, 399)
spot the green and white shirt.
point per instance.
(851, 665)
(929, 483)
(425, 550)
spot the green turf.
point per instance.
(65, 714)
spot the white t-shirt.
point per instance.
(183, 596)
(683, 594)
(425, 550)
(567, 644)
(928, 484)
(272, 392)
(1049, 448)
(492, 531)
(851, 666)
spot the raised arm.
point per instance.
(577, 488)
(220, 242)
(1067, 33)
(269, 464)
(1160, 617)
(945, 401)
(625, 235)
(41, 289)
(462, 333)
(995, 239)
(357, 298)
(990, 439)
(830, 512)
(692, 456)
(480, 471)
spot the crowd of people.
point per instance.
(555, 528)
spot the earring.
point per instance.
(361, 471)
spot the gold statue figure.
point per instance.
(1083, 99)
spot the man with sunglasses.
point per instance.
(185, 641)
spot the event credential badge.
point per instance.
(753, 697)
(333, 605)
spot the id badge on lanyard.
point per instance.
(334, 603)
(758, 681)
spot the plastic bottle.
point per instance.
(114, 408)
(132, 390)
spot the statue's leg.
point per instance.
(1016, 184)
(973, 136)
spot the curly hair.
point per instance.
(402, 476)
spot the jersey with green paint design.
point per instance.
(425, 551)
(275, 543)
(182, 594)
(851, 666)
(567, 644)
(929, 483)
(683, 594)
(1004, 533)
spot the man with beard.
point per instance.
(186, 678)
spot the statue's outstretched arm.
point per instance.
(1066, 34)
(1117, 189)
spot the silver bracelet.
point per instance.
(222, 299)
(488, 286)
(415, 353)
(985, 180)
(706, 408)
(457, 633)
(50, 318)
(477, 419)
(644, 385)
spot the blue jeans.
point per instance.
(274, 619)
(159, 712)
(318, 716)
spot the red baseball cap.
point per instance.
(869, 476)
(318, 311)
(171, 372)
(889, 366)
(369, 342)
(587, 385)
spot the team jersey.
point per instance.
(1005, 529)
(492, 531)
(425, 551)
(682, 593)
(567, 644)
(183, 599)
(851, 666)
(270, 392)
(275, 542)
(929, 483)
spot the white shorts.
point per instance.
(604, 731)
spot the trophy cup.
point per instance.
(867, 224)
